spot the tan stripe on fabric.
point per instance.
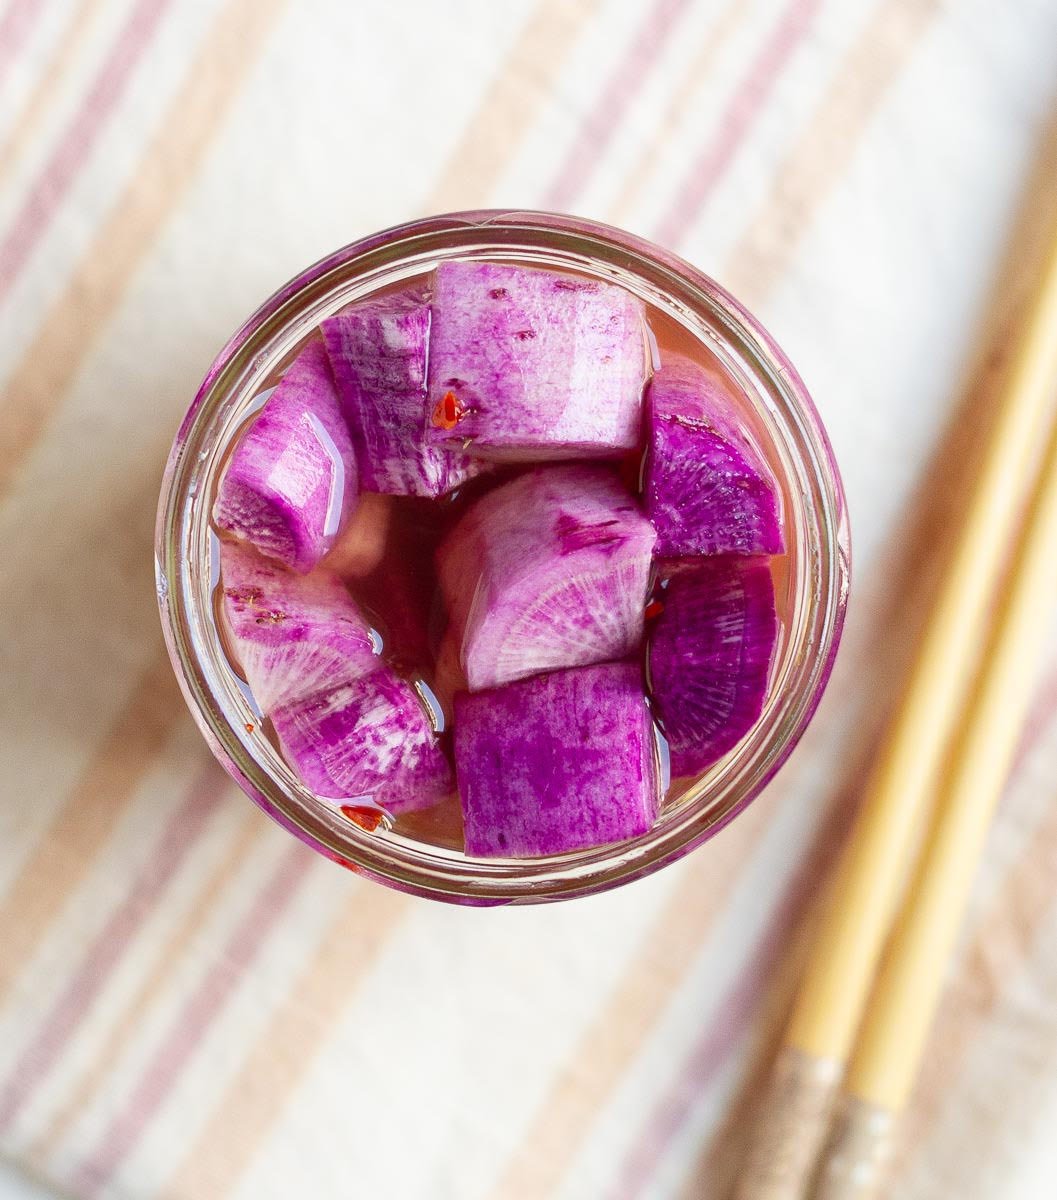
(169, 165)
(1005, 1088)
(509, 106)
(286, 1048)
(715, 1171)
(1001, 945)
(613, 1039)
(820, 156)
(794, 922)
(77, 835)
(125, 1022)
(36, 106)
(643, 171)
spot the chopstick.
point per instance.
(794, 1116)
(891, 1040)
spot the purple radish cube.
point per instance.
(527, 364)
(293, 635)
(291, 482)
(547, 571)
(369, 738)
(561, 762)
(347, 723)
(706, 489)
(378, 351)
(709, 656)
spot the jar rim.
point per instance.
(181, 548)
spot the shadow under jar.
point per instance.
(689, 314)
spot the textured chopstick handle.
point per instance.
(856, 1158)
(790, 1127)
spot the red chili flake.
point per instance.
(654, 609)
(448, 412)
(366, 817)
(249, 727)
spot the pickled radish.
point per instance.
(348, 724)
(528, 364)
(368, 739)
(709, 655)
(291, 482)
(294, 635)
(556, 763)
(378, 350)
(705, 490)
(547, 571)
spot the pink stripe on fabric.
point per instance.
(15, 27)
(78, 141)
(1040, 718)
(113, 941)
(625, 82)
(752, 93)
(736, 1010)
(192, 1021)
(711, 1053)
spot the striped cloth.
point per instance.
(193, 1006)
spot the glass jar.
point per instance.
(784, 421)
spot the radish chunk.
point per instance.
(530, 365)
(371, 739)
(706, 489)
(291, 481)
(347, 723)
(547, 571)
(561, 762)
(378, 351)
(293, 635)
(709, 655)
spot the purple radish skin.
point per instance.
(291, 482)
(547, 571)
(527, 364)
(557, 763)
(378, 351)
(709, 656)
(705, 487)
(367, 739)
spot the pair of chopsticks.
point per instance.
(874, 973)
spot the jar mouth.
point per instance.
(815, 520)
